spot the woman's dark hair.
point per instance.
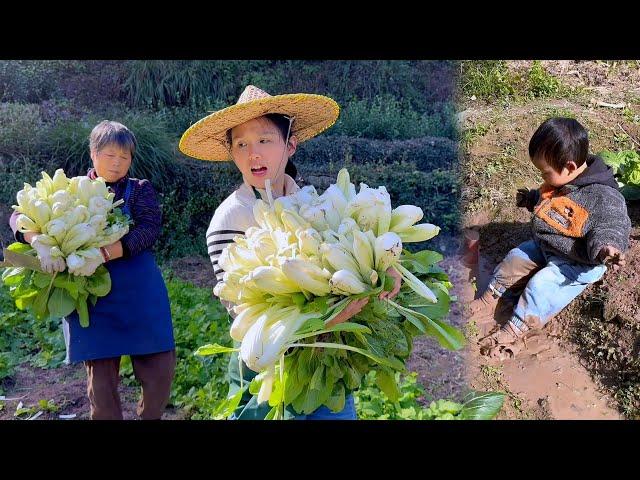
(107, 132)
(282, 124)
(291, 169)
(560, 140)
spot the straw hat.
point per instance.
(207, 138)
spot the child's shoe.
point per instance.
(505, 343)
(482, 311)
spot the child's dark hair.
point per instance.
(108, 131)
(560, 140)
(282, 124)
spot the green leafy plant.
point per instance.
(200, 383)
(626, 167)
(373, 404)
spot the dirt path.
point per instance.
(66, 388)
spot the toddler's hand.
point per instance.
(611, 256)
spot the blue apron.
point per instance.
(133, 319)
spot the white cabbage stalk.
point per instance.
(331, 215)
(346, 227)
(293, 222)
(76, 237)
(40, 212)
(314, 214)
(263, 345)
(309, 242)
(264, 247)
(60, 180)
(57, 229)
(371, 208)
(306, 195)
(287, 202)
(273, 281)
(99, 222)
(79, 214)
(265, 217)
(282, 240)
(61, 202)
(346, 282)
(363, 253)
(25, 224)
(266, 387)
(343, 182)
(25, 197)
(419, 233)
(99, 206)
(387, 250)
(84, 262)
(45, 186)
(247, 314)
(336, 197)
(308, 276)
(339, 258)
(109, 235)
(405, 216)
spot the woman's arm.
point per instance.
(148, 221)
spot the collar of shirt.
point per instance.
(246, 191)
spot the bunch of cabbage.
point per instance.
(309, 256)
(73, 218)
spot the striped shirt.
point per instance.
(233, 217)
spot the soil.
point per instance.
(66, 387)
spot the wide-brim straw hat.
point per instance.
(207, 138)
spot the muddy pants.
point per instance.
(548, 282)
(155, 373)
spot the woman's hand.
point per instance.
(350, 310)
(114, 250)
(48, 263)
(392, 272)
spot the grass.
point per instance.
(472, 134)
(494, 81)
(630, 115)
(553, 111)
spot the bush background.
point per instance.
(397, 127)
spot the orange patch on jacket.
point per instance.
(562, 213)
